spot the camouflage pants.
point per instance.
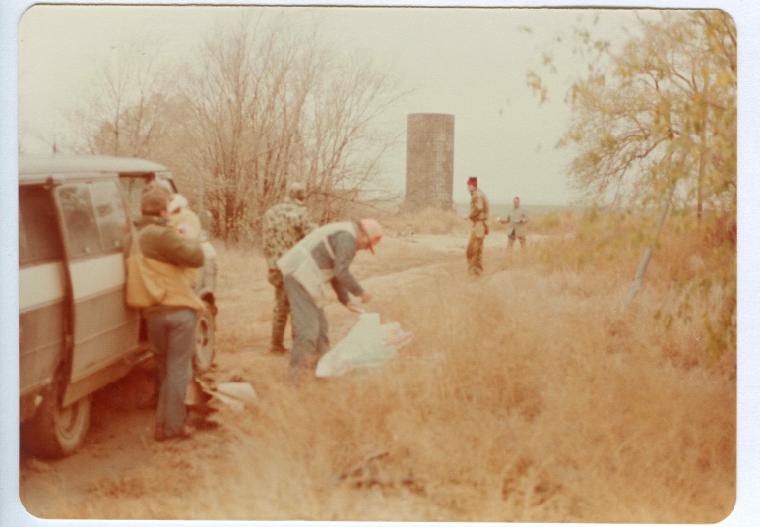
(280, 312)
(475, 254)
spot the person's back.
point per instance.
(283, 226)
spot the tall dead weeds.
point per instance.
(527, 395)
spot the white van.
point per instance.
(76, 333)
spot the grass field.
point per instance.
(531, 394)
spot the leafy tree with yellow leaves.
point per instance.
(660, 112)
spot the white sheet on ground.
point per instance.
(369, 344)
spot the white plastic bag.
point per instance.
(369, 344)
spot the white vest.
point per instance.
(299, 263)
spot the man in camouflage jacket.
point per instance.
(284, 225)
(479, 218)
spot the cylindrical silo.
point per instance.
(429, 160)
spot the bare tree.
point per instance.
(269, 107)
(261, 106)
(122, 113)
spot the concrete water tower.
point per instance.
(429, 161)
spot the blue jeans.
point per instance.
(172, 336)
(310, 339)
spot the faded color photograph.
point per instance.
(377, 263)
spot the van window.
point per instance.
(94, 218)
(82, 235)
(133, 186)
(110, 215)
(38, 229)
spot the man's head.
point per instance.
(472, 183)
(516, 201)
(368, 234)
(297, 192)
(154, 201)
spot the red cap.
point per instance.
(472, 181)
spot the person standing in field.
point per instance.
(284, 225)
(171, 308)
(479, 218)
(517, 220)
(323, 257)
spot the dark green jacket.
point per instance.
(161, 242)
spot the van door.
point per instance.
(105, 330)
(42, 293)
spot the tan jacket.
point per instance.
(479, 213)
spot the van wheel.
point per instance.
(205, 340)
(54, 431)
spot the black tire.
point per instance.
(56, 432)
(205, 340)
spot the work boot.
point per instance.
(278, 349)
(160, 435)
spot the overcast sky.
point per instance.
(471, 63)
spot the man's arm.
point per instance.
(174, 249)
(340, 291)
(344, 248)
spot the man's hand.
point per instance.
(366, 297)
(353, 307)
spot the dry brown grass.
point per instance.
(528, 395)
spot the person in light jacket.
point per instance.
(320, 260)
(517, 221)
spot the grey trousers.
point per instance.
(172, 335)
(310, 340)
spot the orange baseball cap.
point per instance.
(373, 230)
